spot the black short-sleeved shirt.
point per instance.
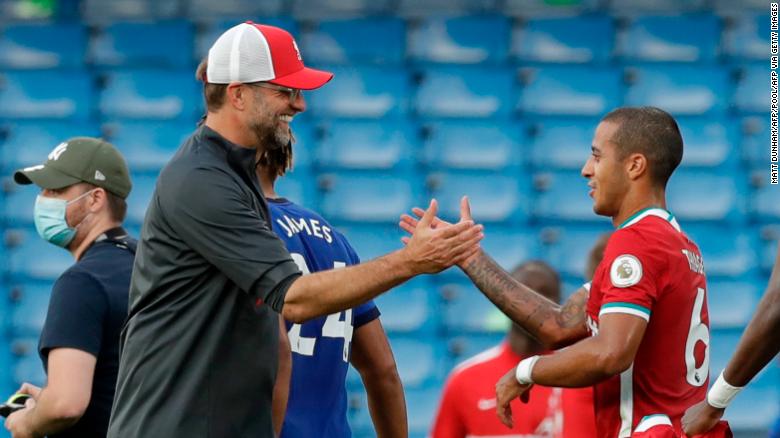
(199, 352)
(87, 309)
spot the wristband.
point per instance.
(721, 393)
(524, 369)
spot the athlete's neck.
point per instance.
(266, 182)
(634, 202)
(522, 344)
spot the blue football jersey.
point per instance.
(317, 406)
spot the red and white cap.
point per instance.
(253, 52)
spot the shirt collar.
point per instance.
(651, 211)
(242, 156)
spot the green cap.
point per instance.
(80, 159)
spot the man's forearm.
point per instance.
(387, 405)
(46, 417)
(758, 344)
(327, 292)
(552, 325)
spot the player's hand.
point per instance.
(433, 248)
(17, 423)
(508, 389)
(700, 418)
(29, 389)
(410, 224)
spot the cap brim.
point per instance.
(304, 79)
(44, 177)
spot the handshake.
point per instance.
(434, 244)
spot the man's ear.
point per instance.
(636, 166)
(236, 95)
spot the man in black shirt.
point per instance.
(81, 207)
(199, 352)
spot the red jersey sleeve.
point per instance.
(629, 274)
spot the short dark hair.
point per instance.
(651, 132)
(214, 94)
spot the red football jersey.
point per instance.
(652, 270)
(468, 405)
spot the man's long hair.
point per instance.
(278, 161)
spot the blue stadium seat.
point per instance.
(372, 241)
(731, 7)
(731, 256)
(460, 40)
(707, 196)
(33, 258)
(494, 197)
(464, 92)
(41, 95)
(372, 198)
(29, 143)
(569, 40)
(489, 145)
(100, 11)
(510, 246)
(143, 44)
(19, 205)
(746, 37)
(546, 8)
(412, 8)
(29, 369)
(568, 249)
(140, 197)
(421, 407)
(561, 143)
(147, 146)
(376, 40)
(211, 30)
(635, 7)
(41, 46)
(573, 90)
(150, 95)
(299, 186)
(750, 95)
(305, 145)
(679, 89)
(207, 10)
(468, 311)
(367, 145)
(409, 308)
(708, 143)
(732, 303)
(339, 9)
(29, 313)
(419, 361)
(563, 196)
(670, 39)
(362, 92)
(755, 140)
(766, 203)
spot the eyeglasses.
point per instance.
(292, 93)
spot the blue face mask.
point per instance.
(50, 220)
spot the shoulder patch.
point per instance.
(626, 271)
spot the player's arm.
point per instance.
(553, 325)
(373, 358)
(754, 351)
(585, 363)
(428, 251)
(63, 401)
(283, 374)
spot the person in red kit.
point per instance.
(468, 403)
(639, 334)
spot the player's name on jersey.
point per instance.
(694, 262)
(312, 227)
